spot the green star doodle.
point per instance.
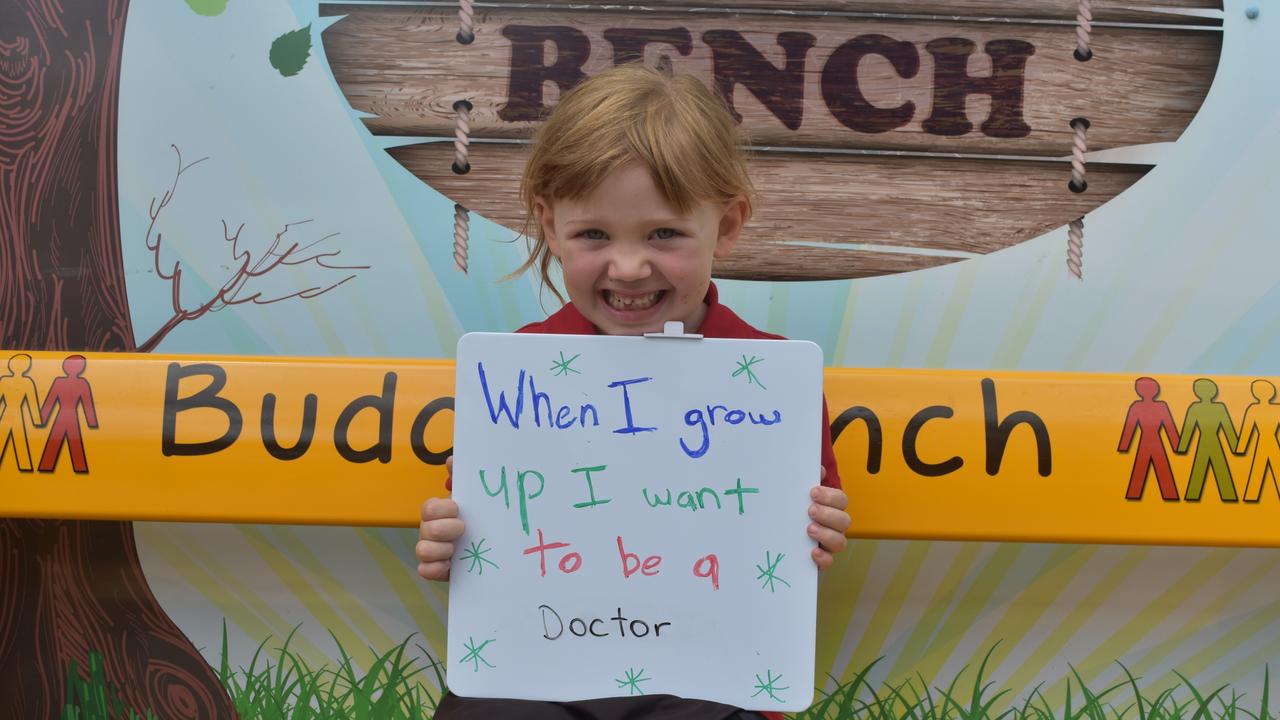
(768, 687)
(473, 653)
(744, 366)
(564, 367)
(632, 681)
(769, 574)
(475, 553)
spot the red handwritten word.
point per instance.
(631, 562)
(569, 563)
(708, 567)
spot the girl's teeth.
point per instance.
(639, 302)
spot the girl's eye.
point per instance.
(594, 234)
(664, 233)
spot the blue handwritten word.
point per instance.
(561, 419)
(631, 428)
(705, 421)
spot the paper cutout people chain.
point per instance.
(1150, 417)
(1212, 420)
(18, 403)
(21, 411)
(1207, 424)
(1261, 420)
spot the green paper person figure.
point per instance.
(1209, 420)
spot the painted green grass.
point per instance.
(284, 687)
(91, 697)
(915, 699)
(280, 685)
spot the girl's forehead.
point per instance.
(630, 186)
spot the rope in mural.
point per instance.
(1079, 145)
(1077, 184)
(1084, 26)
(466, 18)
(461, 231)
(461, 166)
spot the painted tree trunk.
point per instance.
(70, 588)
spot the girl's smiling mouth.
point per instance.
(632, 302)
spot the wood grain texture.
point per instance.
(68, 588)
(405, 65)
(816, 210)
(1103, 10)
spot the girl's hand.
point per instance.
(440, 527)
(830, 521)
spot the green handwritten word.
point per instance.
(591, 489)
(768, 686)
(475, 553)
(524, 498)
(564, 367)
(473, 653)
(744, 366)
(632, 681)
(769, 574)
(696, 501)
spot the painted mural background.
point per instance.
(1181, 275)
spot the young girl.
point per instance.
(636, 184)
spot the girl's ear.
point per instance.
(736, 214)
(546, 220)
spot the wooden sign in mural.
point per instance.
(858, 115)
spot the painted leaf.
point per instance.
(290, 51)
(208, 8)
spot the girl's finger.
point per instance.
(446, 530)
(428, 551)
(822, 558)
(828, 539)
(438, 508)
(434, 570)
(829, 496)
(837, 520)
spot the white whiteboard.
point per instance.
(737, 629)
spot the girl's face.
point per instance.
(631, 261)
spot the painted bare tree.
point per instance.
(71, 587)
(247, 265)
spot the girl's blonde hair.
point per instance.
(672, 125)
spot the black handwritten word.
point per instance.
(553, 625)
(735, 61)
(208, 399)
(997, 434)
(698, 501)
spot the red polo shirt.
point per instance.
(720, 322)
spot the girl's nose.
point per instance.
(628, 264)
